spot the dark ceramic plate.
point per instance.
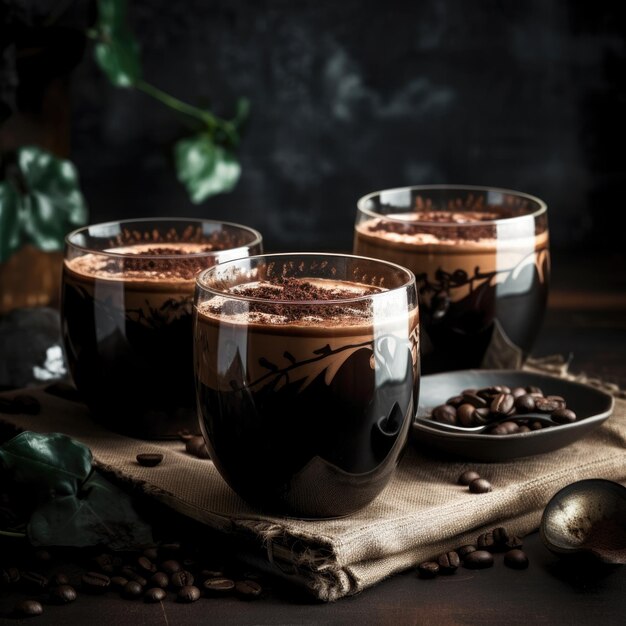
(591, 405)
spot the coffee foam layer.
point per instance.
(273, 303)
(167, 263)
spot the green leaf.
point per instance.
(51, 463)
(204, 167)
(9, 220)
(104, 516)
(117, 50)
(53, 204)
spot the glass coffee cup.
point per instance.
(307, 377)
(482, 264)
(127, 300)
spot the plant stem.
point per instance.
(7, 533)
(178, 105)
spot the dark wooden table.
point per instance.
(587, 320)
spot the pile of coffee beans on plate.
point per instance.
(156, 574)
(478, 407)
(479, 555)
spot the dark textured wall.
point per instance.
(352, 96)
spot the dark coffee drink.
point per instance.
(307, 380)
(482, 265)
(127, 317)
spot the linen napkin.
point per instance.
(420, 514)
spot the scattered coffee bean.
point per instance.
(218, 586)
(63, 594)
(155, 594)
(479, 559)
(33, 581)
(170, 566)
(9, 576)
(146, 565)
(59, 579)
(160, 579)
(188, 593)
(514, 542)
(485, 542)
(516, 559)
(248, 589)
(95, 582)
(118, 582)
(543, 405)
(197, 447)
(428, 569)
(500, 538)
(467, 477)
(463, 551)
(132, 574)
(448, 562)
(104, 562)
(149, 460)
(181, 579)
(151, 553)
(28, 608)
(480, 485)
(132, 590)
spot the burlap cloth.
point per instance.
(420, 514)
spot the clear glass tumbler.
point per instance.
(482, 264)
(307, 377)
(127, 301)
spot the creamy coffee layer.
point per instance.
(460, 253)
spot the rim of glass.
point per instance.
(409, 282)
(543, 207)
(258, 238)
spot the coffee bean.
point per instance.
(132, 590)
(505, 428)
(516, 559)
(59, 579)
(532, 389)
(28, 608)
(523, 428)
(467, 477)
(480, 485)
(485, 541)
(479, 559)
(118, 582)
(151, 553)
(428, 569)
(475, 400)
(514, 542)
(181, 579)
(146, 565)
(546, 406)
(500, 537)
(205, 574)
(448, 562)
(455, 401)
(95, 582)
(43, 555)
(518, 392)
(155, 594)
(535, 425)
(481, 416)
(248, 589)
(149, 460)
(63, 594)
(132, 574)
(197, 447)
(525, 404)
(33, 581)
(463, 551)
(160, 579)
(171, 566)
(104, 562)
(559, 400)
(218, 586)
(169, 550)
(188, 593)
(502, 404)
(465, 415)
(445, 414)
(564, 416)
